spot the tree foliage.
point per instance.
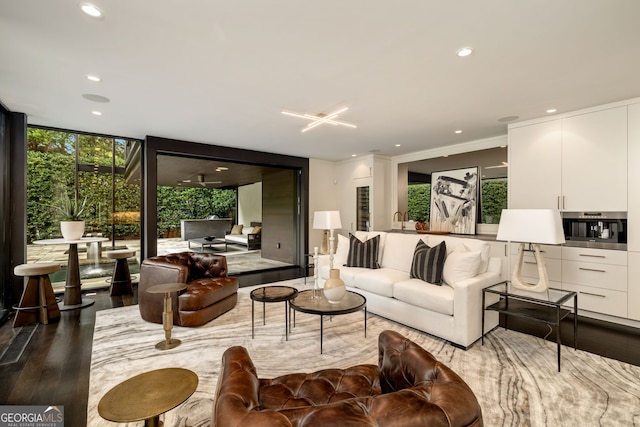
(51, 169)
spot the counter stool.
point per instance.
(38, 302)
(121, 279)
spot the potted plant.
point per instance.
(70, 212)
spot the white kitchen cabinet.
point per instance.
(594, 161)
(633, 295)
(535, 166)
(633, 211)
(577, 163)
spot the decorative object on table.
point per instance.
(334, 287)
(327, 220)
(69, 213)
(421, 226)
(535, 227)
(454, 196)
(209, 238)
(316, 288)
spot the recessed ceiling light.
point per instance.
(353, 155)
(458, 131)
(465, 51)
(398, 145)
(96, 113)
(551, 110)
(93, 78)
(446, 155)
(91, 10)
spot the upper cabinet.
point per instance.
(576, 163)
(633, 212)
(535, 172)
(594, 161)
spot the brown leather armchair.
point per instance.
(409, 387)
(209, 292)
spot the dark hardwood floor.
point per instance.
(54, 367)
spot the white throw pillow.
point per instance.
(460, 265)
(342, 251)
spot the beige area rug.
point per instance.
(513, 375)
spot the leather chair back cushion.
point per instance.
(319, 388)
(205, 265)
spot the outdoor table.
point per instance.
(72, 288)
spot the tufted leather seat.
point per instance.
(209, 292)
(409, 387)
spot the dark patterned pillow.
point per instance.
(428, 263)
(363, 254)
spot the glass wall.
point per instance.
(88, 170)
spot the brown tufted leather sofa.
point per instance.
(409, 387)
(209, 292)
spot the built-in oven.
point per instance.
(606, 230)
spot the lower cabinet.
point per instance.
(607, 281)
(633, 298)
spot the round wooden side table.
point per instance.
(167, 314)
(156, 392)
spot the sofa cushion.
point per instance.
(342, 251)
(380, 281)
(460, 265)
(417, 292)
(454, 243)
(428, 262)
(363, 254)
(399, 250)
(236, 229)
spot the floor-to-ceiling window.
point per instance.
(89, 169)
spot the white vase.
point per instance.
(334, 288)
(72, 230)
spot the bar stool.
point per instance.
(121, 279)
(38, 302)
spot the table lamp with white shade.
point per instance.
(328, 220)
(535, 227)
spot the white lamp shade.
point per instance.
(543, 226)
(327, 220)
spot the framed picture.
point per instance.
(454, 200)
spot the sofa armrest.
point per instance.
(237, 394)
(467, 308)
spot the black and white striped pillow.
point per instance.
(428, 263)
(363, 254)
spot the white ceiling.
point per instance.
(221, 72)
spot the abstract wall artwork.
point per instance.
(454, 196)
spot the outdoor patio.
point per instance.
(95, 269)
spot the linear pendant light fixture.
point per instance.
(321, 118)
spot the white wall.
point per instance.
(323, 195)
(250, 204)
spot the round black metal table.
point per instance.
(352, 302)
(267, 294)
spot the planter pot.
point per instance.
(72, 230)
(334, 288)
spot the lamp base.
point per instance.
(543, 279)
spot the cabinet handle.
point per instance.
(529, 262)
(563, 203)
(592, 256)
(558, 200)
(592, 269)
(593, 295)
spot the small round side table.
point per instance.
(273, 294)
(167, 314)
(156, 392)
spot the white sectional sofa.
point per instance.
(451, 311)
